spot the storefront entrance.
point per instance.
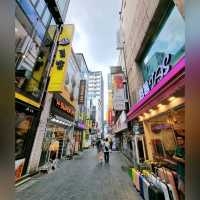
(27, 118)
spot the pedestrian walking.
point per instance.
(100, 152)
(106, 150)
(98, 142)
(111, 144)
(53, 159)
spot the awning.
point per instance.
(172, 82)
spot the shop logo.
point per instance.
(156, 76)
(66, 108)
(64, 42)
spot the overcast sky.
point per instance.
(96, 24)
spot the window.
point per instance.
(52, 28)
(40, 7)
(170, 40)
(61, 5)
(46, 17)
(34, 1)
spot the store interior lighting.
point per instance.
(160, 105)
(172, 98)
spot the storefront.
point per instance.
(78, 136)
(122, 136)
(59, 130)
(162, 112)
(138, 140)
(27, 119)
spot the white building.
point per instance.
(96, 97)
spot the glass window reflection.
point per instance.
(40, 7)
(46, 17)
(170, 40)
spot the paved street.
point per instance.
(82, 178)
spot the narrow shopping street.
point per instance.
(82, 178)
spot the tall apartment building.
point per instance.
(37, 26)
(96, 96)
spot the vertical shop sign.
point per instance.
(118, 92)
(110, 117)
(81, 98)
(60, 65)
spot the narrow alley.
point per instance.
(82, 178)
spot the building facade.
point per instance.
(36, 33)
(96, 98)
(152, 46)
(83, 112)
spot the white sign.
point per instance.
(119, 105)
(121, 123)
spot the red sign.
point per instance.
(66, 108)
(110, 117)
(118, 79)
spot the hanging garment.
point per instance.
(146, 185)
(155, 193)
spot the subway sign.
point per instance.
(156, 76)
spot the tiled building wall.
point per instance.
(135, 19)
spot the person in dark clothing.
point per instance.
(111, 144)
(98, 142)
(106, 150)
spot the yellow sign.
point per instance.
(60, 65)
(26, 99)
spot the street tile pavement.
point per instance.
(82, 179)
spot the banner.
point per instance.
(60, 65)
(81, 97)
(118, 92)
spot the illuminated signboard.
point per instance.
(60, 65)
(156, 76)
(62, 108)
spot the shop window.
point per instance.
(22, 128)
(164, 132)
(33, 17)
(31, 60)
(169, 40)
